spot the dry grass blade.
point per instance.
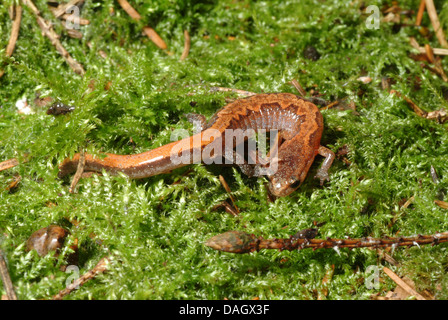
(299, 88)
(79, 171)
(435, 23)
(441, 204)
(6, 279)
(17, 10)
(421, 10)
(186, 46)
(62, 8)
(53, 36)
(226, 186)
(150, 32)
(101, 267)
(8, 164)
(403, 284)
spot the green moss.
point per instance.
(155, 228)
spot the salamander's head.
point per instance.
(288, 177)
(281, 186)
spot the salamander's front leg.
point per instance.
(322, 173)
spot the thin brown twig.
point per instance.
(242, 242)
(79, 171)
(299, 88)
(421, 10)
(14, 33)
(101, 267)
(6, 279)
(414, 106)
(150, 32)
(436, 51)
(67, 16)
(227, 188)
(62, 8)
(431, 9)
(403, 284)
(186, 46)
(53, 36)
(8, 164)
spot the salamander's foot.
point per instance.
(322, 175)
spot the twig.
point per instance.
(299, 88)
(436, 51)
(6, 279)
(62, 8)
(186, 46)
(331, 105)
(53, 36)
(227, 188)
(79, 171)
(403, 284)
(14, 33)
(66, 16)
(150, 32)
(8, 164)
(435, 23)
(421, 10)
(413, 105)
(441, 204)
(101, 267)
(429, 53)
(242, 242)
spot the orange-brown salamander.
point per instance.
(298, 121)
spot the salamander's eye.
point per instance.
(294, 182)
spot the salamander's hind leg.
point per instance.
(322, 173)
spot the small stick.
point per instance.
(101, 267)
(79, 171)
(53, 36)
(226, 186)
(6, 279)
(413, 105)
(299, 88)
(8, 164)
(14, 33)
(421, 10)
(441, 204)
(403, 284)
(435, 23)
(436, 51)
(429, 53)
(186, 46)
(331, 105)
(434, 176)
(242, 242)
(227, 207)
(150, 32)
(62, 8)
(66, 16)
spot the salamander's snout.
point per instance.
(281, 187)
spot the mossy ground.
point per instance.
(154, 228)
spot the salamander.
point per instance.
(298, 121)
